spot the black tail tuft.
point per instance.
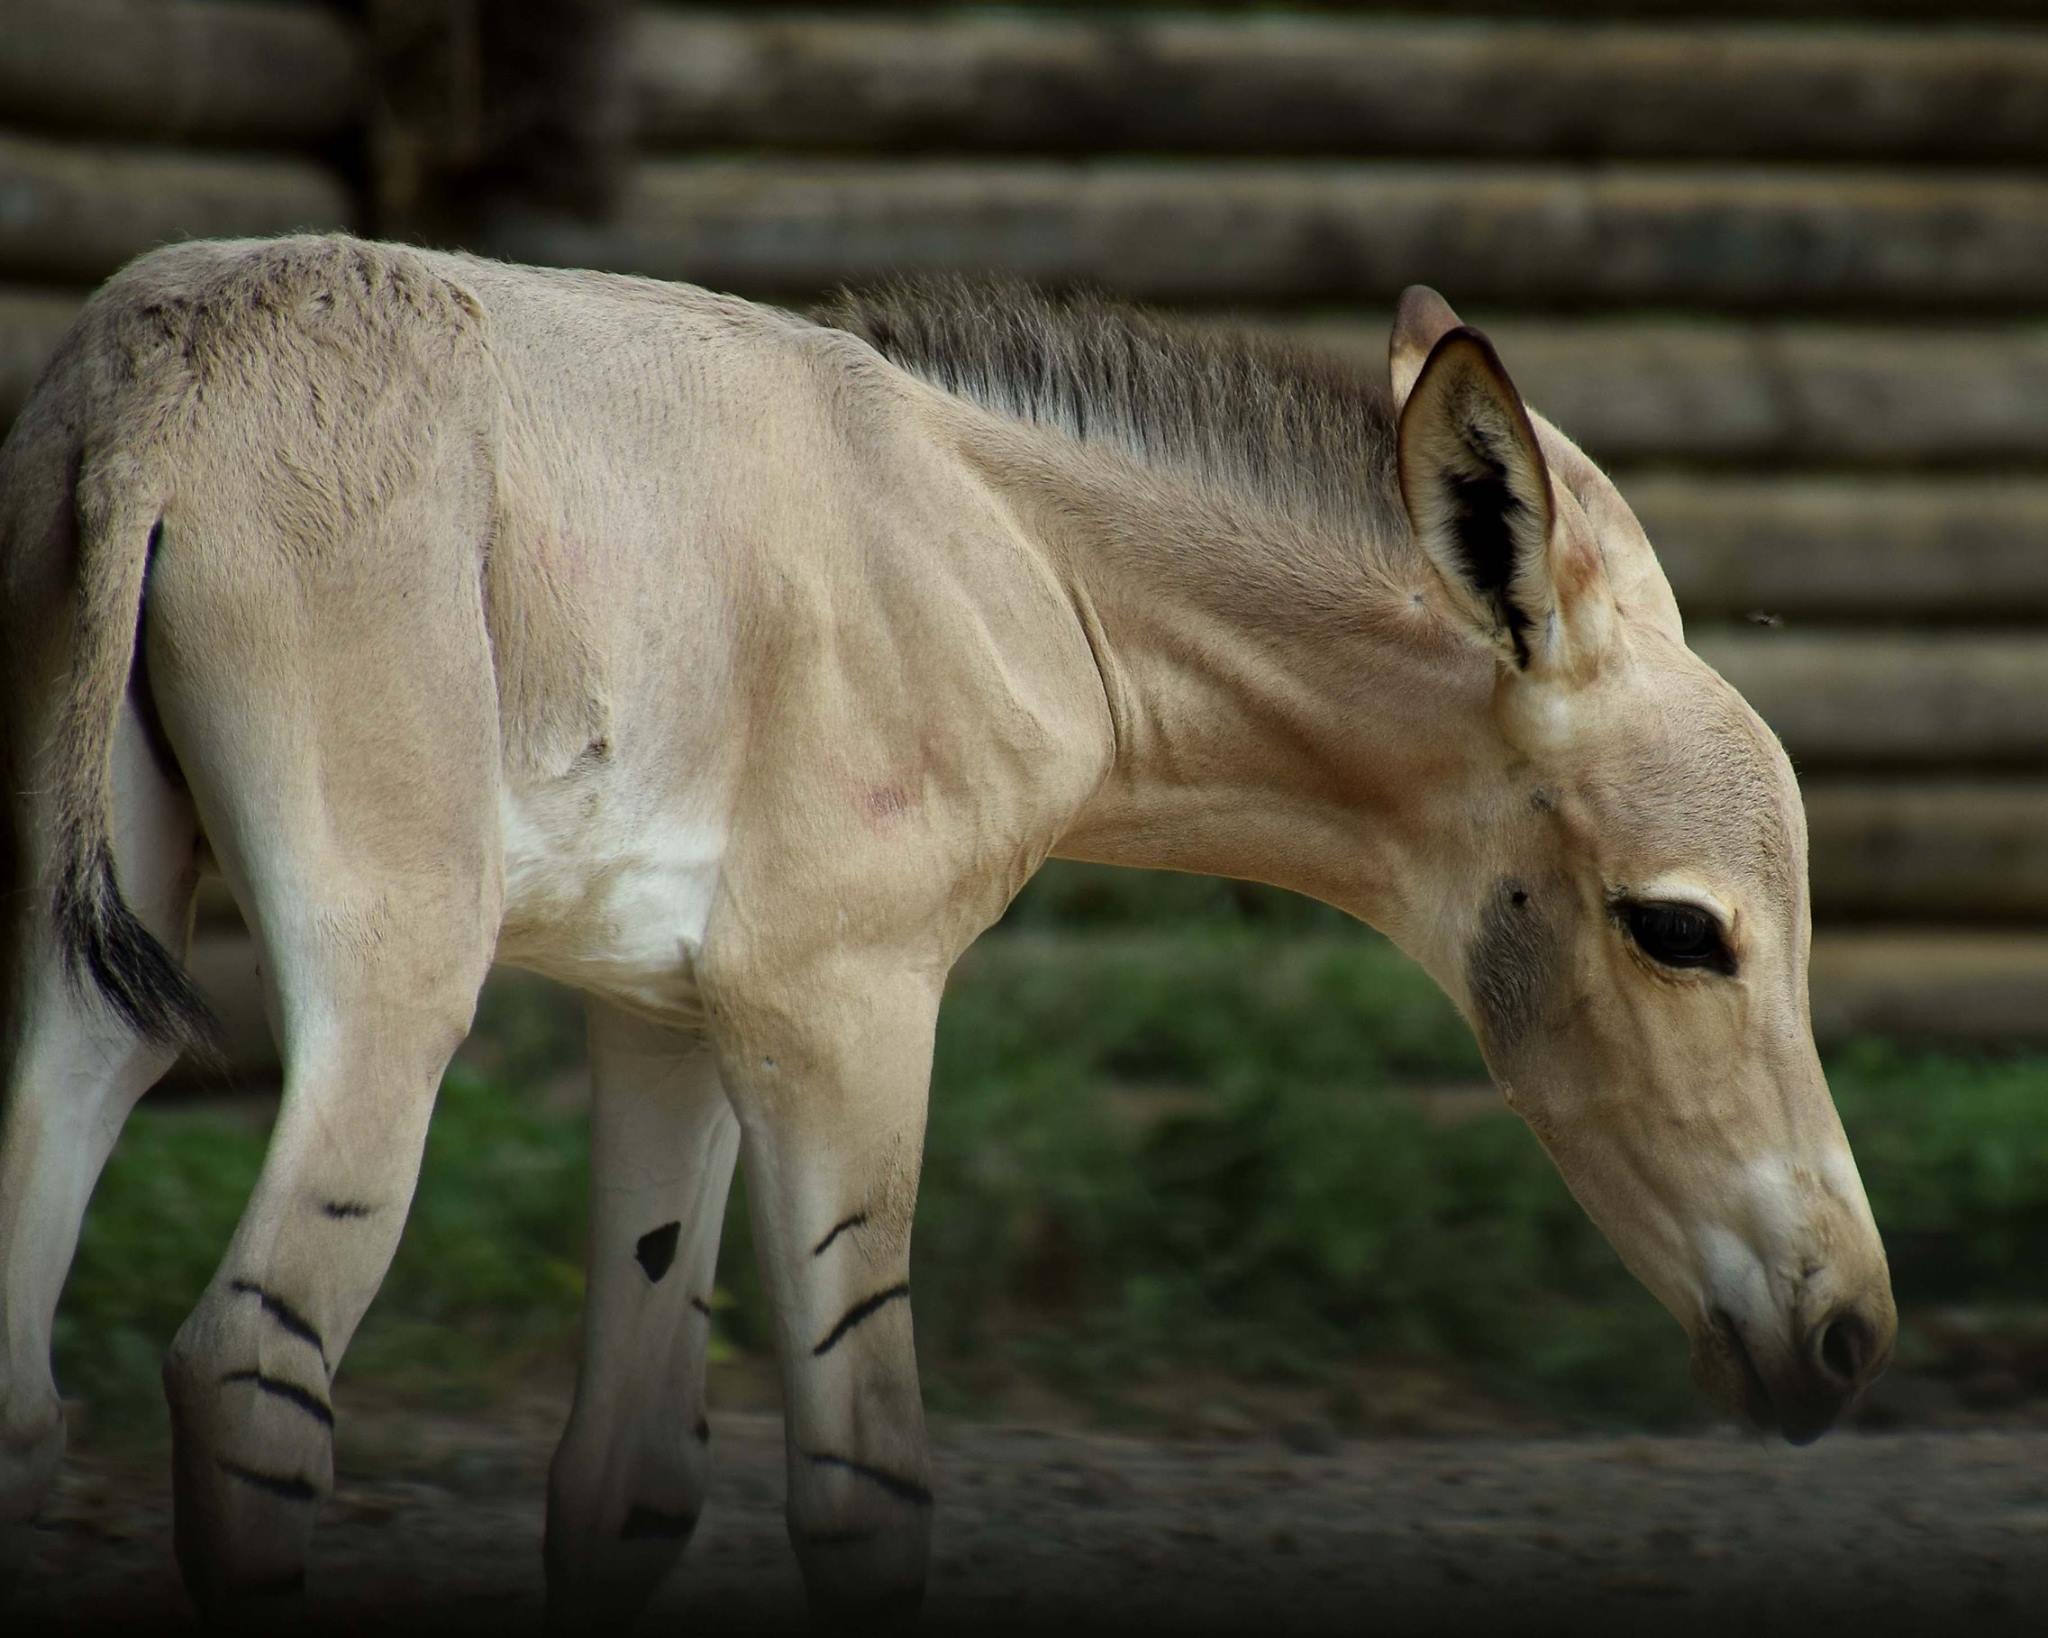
(105, 943)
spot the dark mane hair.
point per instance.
(1307, 431)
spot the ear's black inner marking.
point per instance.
(701, 1306)
(657, 1249)
(1484, 512)
(838, 1229)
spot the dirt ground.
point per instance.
(436, 1525)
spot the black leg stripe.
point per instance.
(289, 1319)
(656, 1250)
(838, 1229)
(908, 1490)
(347, 1208)
(701, 1306)
(703, 1431)
(652, 1524)
(858, 1312)
(276, 1386)
(288, 1485)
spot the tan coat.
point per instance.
(738, 669)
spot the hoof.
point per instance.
(29, 1459)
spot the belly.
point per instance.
(605, 895)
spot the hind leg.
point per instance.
(250, 1374)
(73, 1071)
(628, 1481)
(336, 716)
(374, 909)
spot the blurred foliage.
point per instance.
(1209, 1150)
(487, 1281)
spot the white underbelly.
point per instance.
(607, 897)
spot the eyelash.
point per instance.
(1651, 926)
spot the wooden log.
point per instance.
(487, 105)
(1872, 548)
(1892, 699)
(1372, 85)
(1758, 397)
(1545, 235)
(181, 70)
(1895, 849)
(76, 213)
(1954, 988)
(1946, 988)
(32, 322)
(1775, 11)
(1928, 850)
(1765, 394)
(1879, 546)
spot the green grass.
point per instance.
(1150, 1154)
(486, 1283)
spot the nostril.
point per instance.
(1846, 1346)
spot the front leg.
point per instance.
(829, 1079)
(628, 1480)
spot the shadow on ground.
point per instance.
(438, 1529)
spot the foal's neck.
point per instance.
(1288, 708)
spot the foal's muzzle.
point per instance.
(1802, 1392)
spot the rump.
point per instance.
(293, 443)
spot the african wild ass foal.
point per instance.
(738, 669)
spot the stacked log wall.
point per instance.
(1781, 265)
(1778, 264)
(125, 124)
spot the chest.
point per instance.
(610, 890)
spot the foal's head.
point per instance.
(1631, 941)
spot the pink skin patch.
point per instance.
(568, 559)
(886, 802)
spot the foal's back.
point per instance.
(729, 566)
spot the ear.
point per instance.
(1478, 497)
(1422, 318)
(1634, 576)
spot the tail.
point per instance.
(102, 940)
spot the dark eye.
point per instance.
(1679, 935)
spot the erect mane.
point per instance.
(1305, 431)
